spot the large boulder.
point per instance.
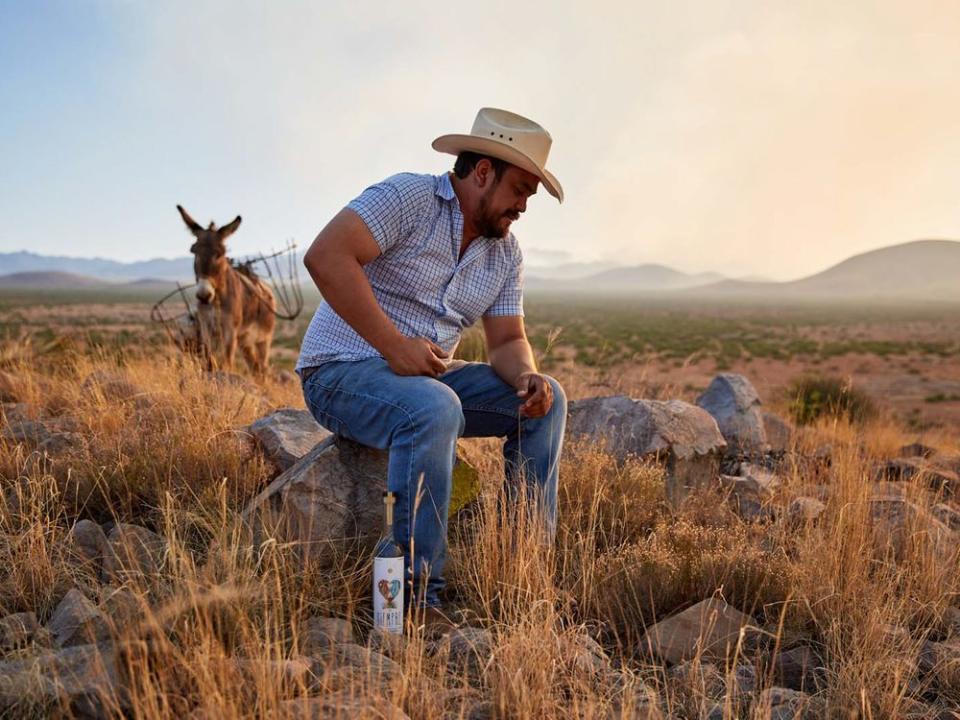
(733, 402)
(710, 629)
(335, 493)
(77, 621)
(683, 435)
(287, 435)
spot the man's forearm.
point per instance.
(346, 288)
(512, 359)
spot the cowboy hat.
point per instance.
(510, 137)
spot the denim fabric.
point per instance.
(419, 419)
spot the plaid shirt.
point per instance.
(417, 279)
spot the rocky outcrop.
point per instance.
(684, 436)
(287, 435)
(335, 493)
(710, 629)
(733, 402)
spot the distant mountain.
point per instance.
(921, 270)
(50, 280)
(640, 278)
(110, 270)
(567, 271)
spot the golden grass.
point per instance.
(217, 631)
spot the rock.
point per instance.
(27, 432)
(759, 481)
(745, 681)
(784, 704)
(584, 655)
(733, 402)
(805, 509)
(940, 657)
(372, 665)
(89, 543)
(917, 450)
(60, 442)
(122, 605)
(287, 377)
(111, 386)
(779, 431)
(337, 707)
(132, 552)
(467, 650)
(335, 493)
(684, 436)
(711, 627)
(946, 514)
(799, 668)
(77, 621)
(287, 435)
(19, 630)
(704, 679)
(14, 412)
(296, 671)
(898, 521)
(937, 477)
(318, 635)
(83, 677)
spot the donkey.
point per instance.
(235, 307)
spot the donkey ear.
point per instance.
(229, 229)
(191, 223)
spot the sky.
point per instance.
(764, 138)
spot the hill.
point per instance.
(650, 277)
(918, 270)
(50, 280)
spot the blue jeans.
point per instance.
(419, 419)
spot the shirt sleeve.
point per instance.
(510, 299)
(391, 209)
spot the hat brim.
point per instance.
(456, 144)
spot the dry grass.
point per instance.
(217, 630)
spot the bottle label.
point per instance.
(388, 594)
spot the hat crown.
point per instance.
(509, 128)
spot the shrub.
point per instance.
(816, 397)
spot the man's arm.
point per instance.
(335, 261)
(511, 357)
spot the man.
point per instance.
(404, 269)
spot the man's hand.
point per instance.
(415, 356)
(538, 393)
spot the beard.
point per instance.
(489, 223)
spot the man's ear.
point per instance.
(483, 171)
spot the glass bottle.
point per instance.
(388, 576)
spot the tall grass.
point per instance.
(220, 629)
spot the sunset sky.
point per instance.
(750, 138)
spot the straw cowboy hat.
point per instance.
(510, 137)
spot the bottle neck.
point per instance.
(388, 513)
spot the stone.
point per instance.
(759, 481)
(319, 635)
(467, 650)
(898, 521)
(799, 668)
(805, 510)
(111, 386)
(584, 655)
(711, 628)
(338, 706)
(784, 703)
(779, 431)
(733, 402)
(368, 664)
(77, 621)
(295, 671)
(947, 514)
(917, 450)
(745, 680)
(287, 377)
(287, 435)
(83, 677)
(685, 437)
(60, 442)
(122, 605)
(133, 552)
(19, 630)
(89, 543)
(27, 432)
(335, 494)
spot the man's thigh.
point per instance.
(367, 402)
(491, 406)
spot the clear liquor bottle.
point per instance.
(388, 576)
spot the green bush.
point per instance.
(816, 397)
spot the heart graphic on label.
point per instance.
(389, 590)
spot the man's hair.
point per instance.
(467, 161)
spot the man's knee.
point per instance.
(438, 409)
(559, 406)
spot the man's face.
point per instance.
(504, 200)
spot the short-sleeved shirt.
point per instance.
(418, 279)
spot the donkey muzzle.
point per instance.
(205, 290)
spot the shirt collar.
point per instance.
(445, 187)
